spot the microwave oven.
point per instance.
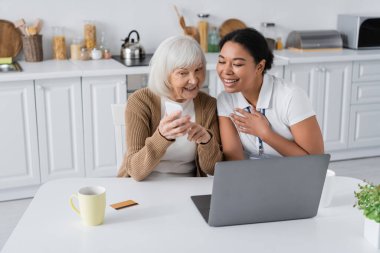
(360, 31)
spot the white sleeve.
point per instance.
(299, 107)
(224, 104)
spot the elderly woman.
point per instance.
(184, 142)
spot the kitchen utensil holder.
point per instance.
(32, 48)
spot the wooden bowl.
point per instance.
(231, 25)
(10, 39)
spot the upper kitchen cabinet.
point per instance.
(60, 127)
(329, 88)
(99, 132)
(19, 164)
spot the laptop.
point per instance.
(264, 190)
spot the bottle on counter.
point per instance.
(279, 44)
(59, 43)
(103, 46)
(89, 34)
(203, 31)
(106, 53)
(75, 48)
(213, 40)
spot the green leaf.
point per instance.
(368, 200)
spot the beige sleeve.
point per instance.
(145, 146)
(211, 152)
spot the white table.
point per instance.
(167, 221)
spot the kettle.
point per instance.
(131, 49)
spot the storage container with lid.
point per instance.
(59, 43)
(89, 34)
(203, 31)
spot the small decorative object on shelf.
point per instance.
(368, 200)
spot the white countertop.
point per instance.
(68, 68)
(327, 56)
(64, 68)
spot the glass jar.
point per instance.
(84, 54)
(75, 48)
(102, 44)
(213, 40)
(59, 43)
(203, 31)
(89, 34)
(279, 44)
(107, 54)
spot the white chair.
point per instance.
(118, 115)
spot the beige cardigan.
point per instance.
(145, 144)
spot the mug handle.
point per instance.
(72, 203)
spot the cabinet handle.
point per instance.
(323, 69)
(39, 87)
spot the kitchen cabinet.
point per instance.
(365, 126)
(19, 163)
(365, 105)
(60, 127)
(56, 128)
(329, 88)
(99, 132)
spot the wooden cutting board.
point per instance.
(10, 39)
(230, 25)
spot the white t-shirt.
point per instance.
(180, 156)
(284, 103)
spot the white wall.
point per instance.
(156, 19)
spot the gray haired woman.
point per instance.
(185, 141)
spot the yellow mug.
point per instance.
(92, 204)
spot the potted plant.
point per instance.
(368, 200)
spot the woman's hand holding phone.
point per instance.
(173, 125)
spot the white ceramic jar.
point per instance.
(96, 54)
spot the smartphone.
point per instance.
(172, 107)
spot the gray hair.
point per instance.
(175, 52)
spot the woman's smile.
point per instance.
(230, 82)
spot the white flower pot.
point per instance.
(372, 232)
(328, 189)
